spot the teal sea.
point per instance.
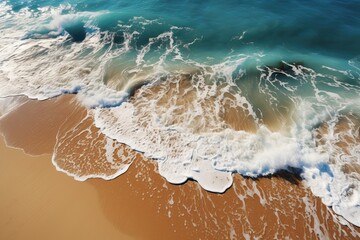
(208, 89)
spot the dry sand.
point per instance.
(40, 203)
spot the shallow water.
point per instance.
(206, 89)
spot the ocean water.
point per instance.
(207, 89)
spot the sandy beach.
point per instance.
(39, 202)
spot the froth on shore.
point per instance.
(41, 202)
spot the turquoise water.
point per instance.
(205, 88)
(286, 30)
(330, 28)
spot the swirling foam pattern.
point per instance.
(207, 89)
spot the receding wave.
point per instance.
(199, 117)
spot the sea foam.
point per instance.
(203, 118)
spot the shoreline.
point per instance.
(40, 203)
(140, 203)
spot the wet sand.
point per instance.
(41, 203)
(37, 202)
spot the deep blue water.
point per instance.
(320, 27)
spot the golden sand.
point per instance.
(39, 203)
(37, 124)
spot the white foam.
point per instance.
(188, 141)
(211, 157)
(45, 67)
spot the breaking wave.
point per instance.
(202, 115)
